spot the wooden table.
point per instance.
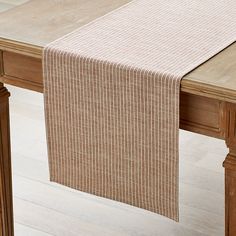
(208, 94)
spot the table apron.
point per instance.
(199, 114)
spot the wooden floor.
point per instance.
(7, 4)
(43, 208)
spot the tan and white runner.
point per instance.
(112, 97)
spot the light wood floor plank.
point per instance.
(54, 222)
(22, 230)
(5, 6)
(113, 216)
(14, 2)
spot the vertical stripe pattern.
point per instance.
(112, 97)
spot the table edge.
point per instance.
(188, 85)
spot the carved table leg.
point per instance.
(6, 209)
(230, 172)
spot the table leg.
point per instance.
(6, 208)
(230, 172)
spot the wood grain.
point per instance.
(6, 208)
(22, 71)
(202, 115)
(230, 172)
(40, 22)
(215, 78)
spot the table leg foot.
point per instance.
(230, 194)
(6, 206)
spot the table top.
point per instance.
(29, 27)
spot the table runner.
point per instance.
(112, 90)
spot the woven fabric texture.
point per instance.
(112, 93)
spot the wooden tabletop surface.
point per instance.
(29, 27)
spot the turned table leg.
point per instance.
(230, 172)
(6, 208)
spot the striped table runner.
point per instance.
(112, 97)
